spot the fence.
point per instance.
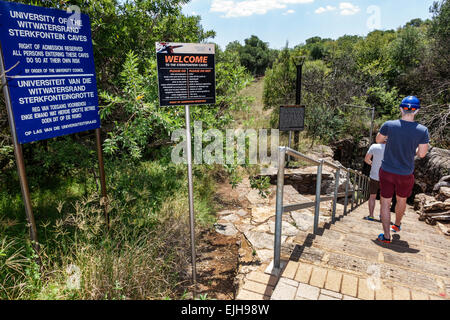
(359, 193)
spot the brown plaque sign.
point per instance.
(292, 118)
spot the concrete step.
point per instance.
(306, 281)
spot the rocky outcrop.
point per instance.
(430, 170)
(434, 208)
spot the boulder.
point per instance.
(432, 168)
(227, 229)
(444, 194)
(428, 204)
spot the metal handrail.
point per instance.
(360, 188)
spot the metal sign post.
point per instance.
(186, 76)
(101, 167)
(52, 90)
(191, 195)
(19, 158)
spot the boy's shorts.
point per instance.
(374, 186)
(400, 184)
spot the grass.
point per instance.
(257, 117)
(144, 254)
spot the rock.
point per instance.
(225, 212)
(444, 194)
(244, 225)
(287, 229)
(231, 218)
(421, 199)
(262, 240)
(261, 214)
(434, 166)
(227, 229)
(302, 179)
(264, 255)
(444, 228)
(255, 198)
(444, 182)
(436, 206)
(347, 152)
(364, 144)
(304, 219)
(262, 228)
(242, 212)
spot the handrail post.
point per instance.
(317, 205)
(358, 194)
(336, 190)
(366, 189)
(346, 192)
(279, 207)
(363, 195)
(353, 191)
(362, 189)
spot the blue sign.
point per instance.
(52, 82)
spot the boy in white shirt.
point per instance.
(374, 157)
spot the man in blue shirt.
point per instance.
(405, 139)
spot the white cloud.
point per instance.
(348, 9)
(289, 12)
(245, 8)
(325, 9)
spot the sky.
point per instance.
(280, 21)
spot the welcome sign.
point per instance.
(186, 73)
(51, 77)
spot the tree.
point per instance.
(255, 54)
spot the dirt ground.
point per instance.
(217, 265)
(219, 256)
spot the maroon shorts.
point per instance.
(400, 184)
(374, 186)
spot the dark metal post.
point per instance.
(101, 167)
(346, 192)
(336, 190)
(358, 194)
(298, 100)
(279, 207)
(289, 146)
(19, 158)
(353, 190)
(298, 89)
(317, 204)
(191, 195)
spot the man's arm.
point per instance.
(422, 150)
(380, 138)
(368, 159)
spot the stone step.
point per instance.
(363, 210)
(410, 213)
(371, 229)
(430, 255)
(416, 225)
(372, 251)
(426, 239)
(363, 267)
